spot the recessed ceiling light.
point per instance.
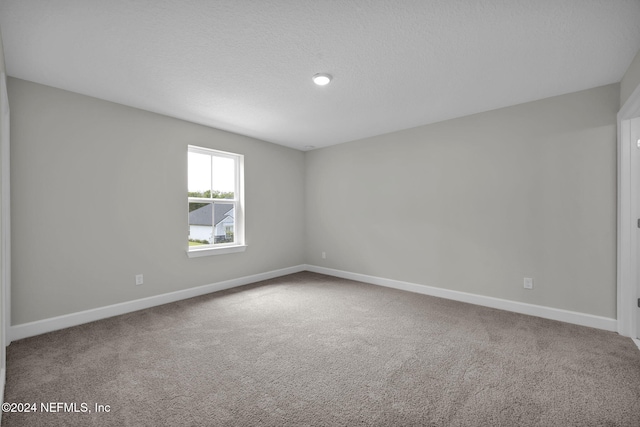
(322, 79)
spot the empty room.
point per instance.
(320, 213)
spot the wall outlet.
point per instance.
(528, 283)
(139, 279)
(324, 255)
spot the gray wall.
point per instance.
(99, 195)
(477, 203)
(2, 312)
(2, 66)
(630, 80)
(472, 204)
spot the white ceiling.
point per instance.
(245, 66)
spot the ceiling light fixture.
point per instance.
(322, 79)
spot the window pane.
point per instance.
(224, 223)
(200, 224)
(199, 168)
(215, 196)
(224, 177)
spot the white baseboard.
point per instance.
(576, 318)
(637, 341)
(26, 330)
(38, 327)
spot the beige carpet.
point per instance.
(311, 350)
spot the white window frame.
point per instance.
(238, 205)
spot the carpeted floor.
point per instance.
(312, 350)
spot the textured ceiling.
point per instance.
(246, 66)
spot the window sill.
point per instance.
(195, 253)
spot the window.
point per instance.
(216, 211)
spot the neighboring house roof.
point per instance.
(202, 216)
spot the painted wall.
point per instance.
(2, 66)
(630, 80)
(99, 195)
(3, 127)
(479, 203)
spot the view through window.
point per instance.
(214, 195)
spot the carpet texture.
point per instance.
(312, 350)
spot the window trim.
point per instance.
(196, 253)
(239, 244)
